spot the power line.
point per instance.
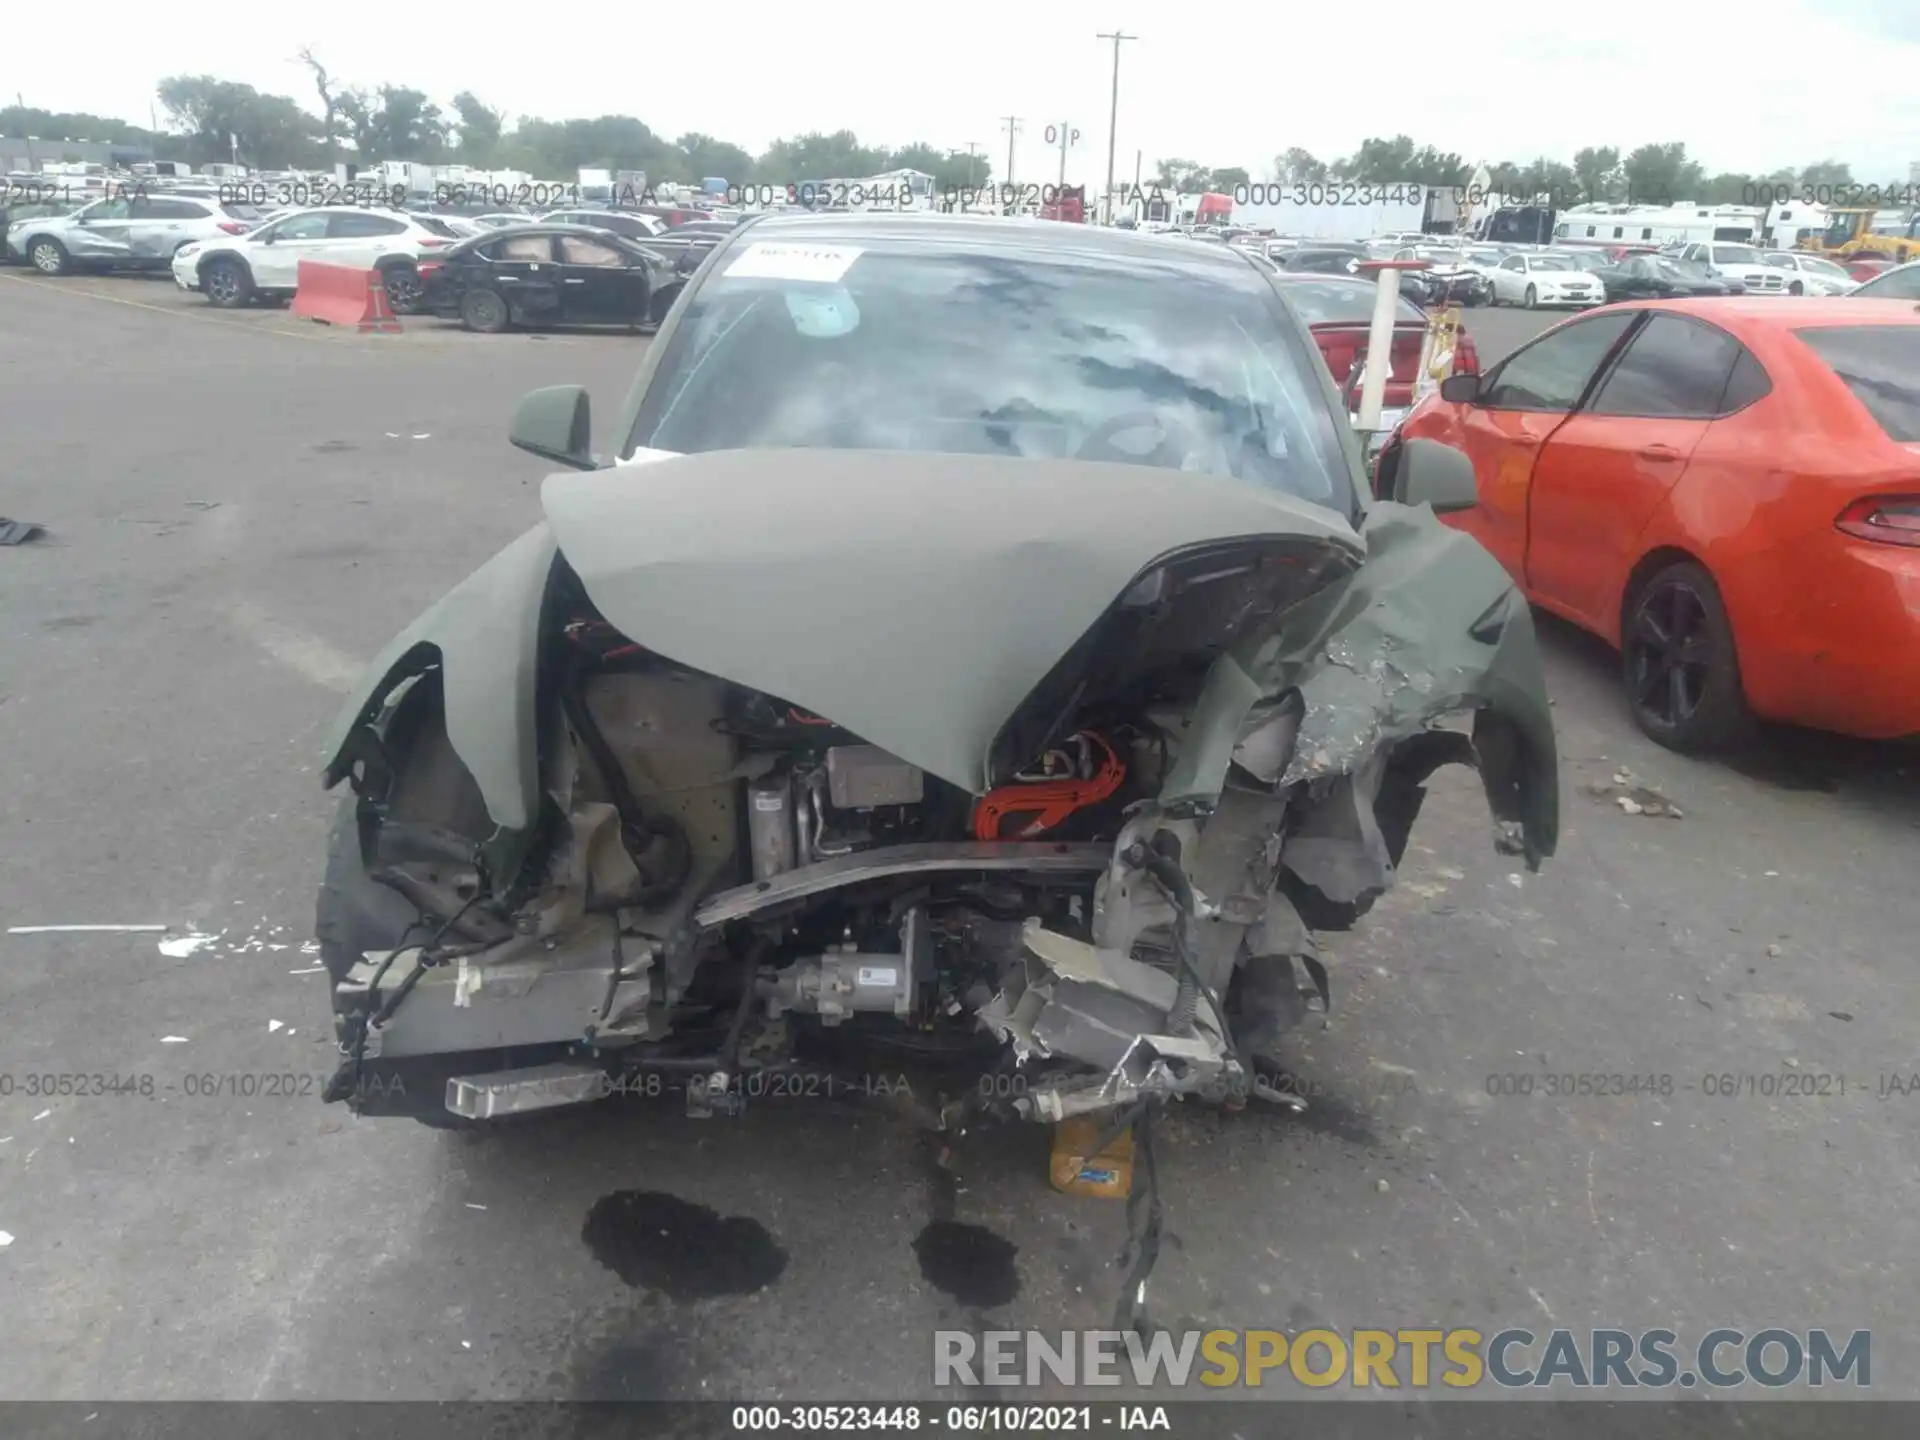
(1113, 113)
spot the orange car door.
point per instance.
(1604, 473)
(1522, 403)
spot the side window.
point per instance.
(158, 209)
(1675, 369)
(1513, 262)
(579, 250)
(311, 226)
(1552, 373)
(361, 225)
(108, 210)
(1747, 384)
(526, 249)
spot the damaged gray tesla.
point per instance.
(979, 656)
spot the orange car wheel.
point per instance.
(1681, 668)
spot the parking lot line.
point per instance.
(177, 314)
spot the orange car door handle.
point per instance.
(1657, 452)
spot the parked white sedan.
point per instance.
(1534, 280)
(1810, 274)
(231, 272)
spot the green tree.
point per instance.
(1379, 160)
(329, 105)
(1596, 171)
(1730, 188)
(702, 155)
(1298, 167)
(222, 119)
(1227, 181)
(1551, 178)
(1183, 177)
(1826, 173)
(1661, 175)
(960, 171)
(479, 126)
(816, 157)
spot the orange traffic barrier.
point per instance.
(344, 295)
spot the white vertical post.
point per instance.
(1373, 386)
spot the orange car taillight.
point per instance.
(1889, 519)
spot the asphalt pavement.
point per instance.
(241, 510)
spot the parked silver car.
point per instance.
(141, 232)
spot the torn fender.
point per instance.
(1430, 625)
(484, 636)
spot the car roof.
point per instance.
(1749, 315)
(1010, 233)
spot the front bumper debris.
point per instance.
(1069, 1000)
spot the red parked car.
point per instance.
(1338, 310)
(1727, 490)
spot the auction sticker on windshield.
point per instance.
(821, 264)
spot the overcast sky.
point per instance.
(1747, 87)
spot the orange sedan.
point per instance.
(1727, 490)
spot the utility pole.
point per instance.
(1012, 122)
(1113, 113)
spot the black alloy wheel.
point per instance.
(1681, 669)
(404, 290)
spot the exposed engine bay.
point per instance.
(725, 885)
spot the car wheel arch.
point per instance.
(1659, 558)
(201, 263)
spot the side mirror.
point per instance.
(556, 424)
(1460, 389)
(1429, 473)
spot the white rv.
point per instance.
(1601, 224)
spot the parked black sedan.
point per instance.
(1660, 277)
(548, 275)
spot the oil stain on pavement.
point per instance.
(968, 1262)
(682, 1250)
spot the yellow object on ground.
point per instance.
(1108, 1175)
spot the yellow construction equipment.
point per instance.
(1852, 231)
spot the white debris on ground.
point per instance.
(275, 1026)
(43, 1115)
(179, 947)
(173, 1039)
(5, 1239)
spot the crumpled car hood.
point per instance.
(916, 600)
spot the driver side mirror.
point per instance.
(1460, 389)
(1429, 473)
(556, 424)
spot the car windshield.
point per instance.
(1341, 302)
(1816, 265)
(956, 348)
(1735, 255)
(1901, 284)
(1550, 262)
